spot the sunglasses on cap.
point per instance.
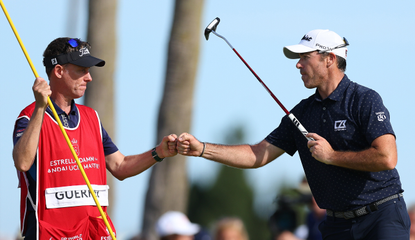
(73, 42)
(81, 57)
(345, 44)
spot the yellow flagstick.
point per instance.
(60, 124)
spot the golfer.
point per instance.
(350, 164)
(55, 200)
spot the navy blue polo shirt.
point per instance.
(349, 119)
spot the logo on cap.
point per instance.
(83, 51)
(307, 38)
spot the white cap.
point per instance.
(318, 40)
(173, 222)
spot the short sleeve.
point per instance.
(283, 136)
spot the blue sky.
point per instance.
(227, 94)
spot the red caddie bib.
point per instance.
(65, 208)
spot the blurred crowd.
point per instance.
(283, 224)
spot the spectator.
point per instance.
(230, 228)
(309, 230)
(175, 225)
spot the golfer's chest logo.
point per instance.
(340, 125)
(75, 146)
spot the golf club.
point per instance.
(65, 135)
(211, 28)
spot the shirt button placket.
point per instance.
(323, 115)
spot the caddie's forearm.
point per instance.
(24, 151)
(123, 167)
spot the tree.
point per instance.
(100, 94)
(168, 187)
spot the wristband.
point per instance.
(155, 155)
(203, 151)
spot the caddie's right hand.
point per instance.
(168, 146)
(41, 90)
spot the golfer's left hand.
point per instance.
(188, 145)
(320, 149)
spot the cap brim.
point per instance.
(189, 230)
(88, 61)
(293, 51)
(186, 230)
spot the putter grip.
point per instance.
(299, 126)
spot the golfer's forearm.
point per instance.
(239, 156)
(381, 156)
(24, 151)
(369, 160)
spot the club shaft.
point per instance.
(253, 72)
(263, 84)
(291, 116)
(217, 34)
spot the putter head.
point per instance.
(211, 27)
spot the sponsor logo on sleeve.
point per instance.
(381, 116)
